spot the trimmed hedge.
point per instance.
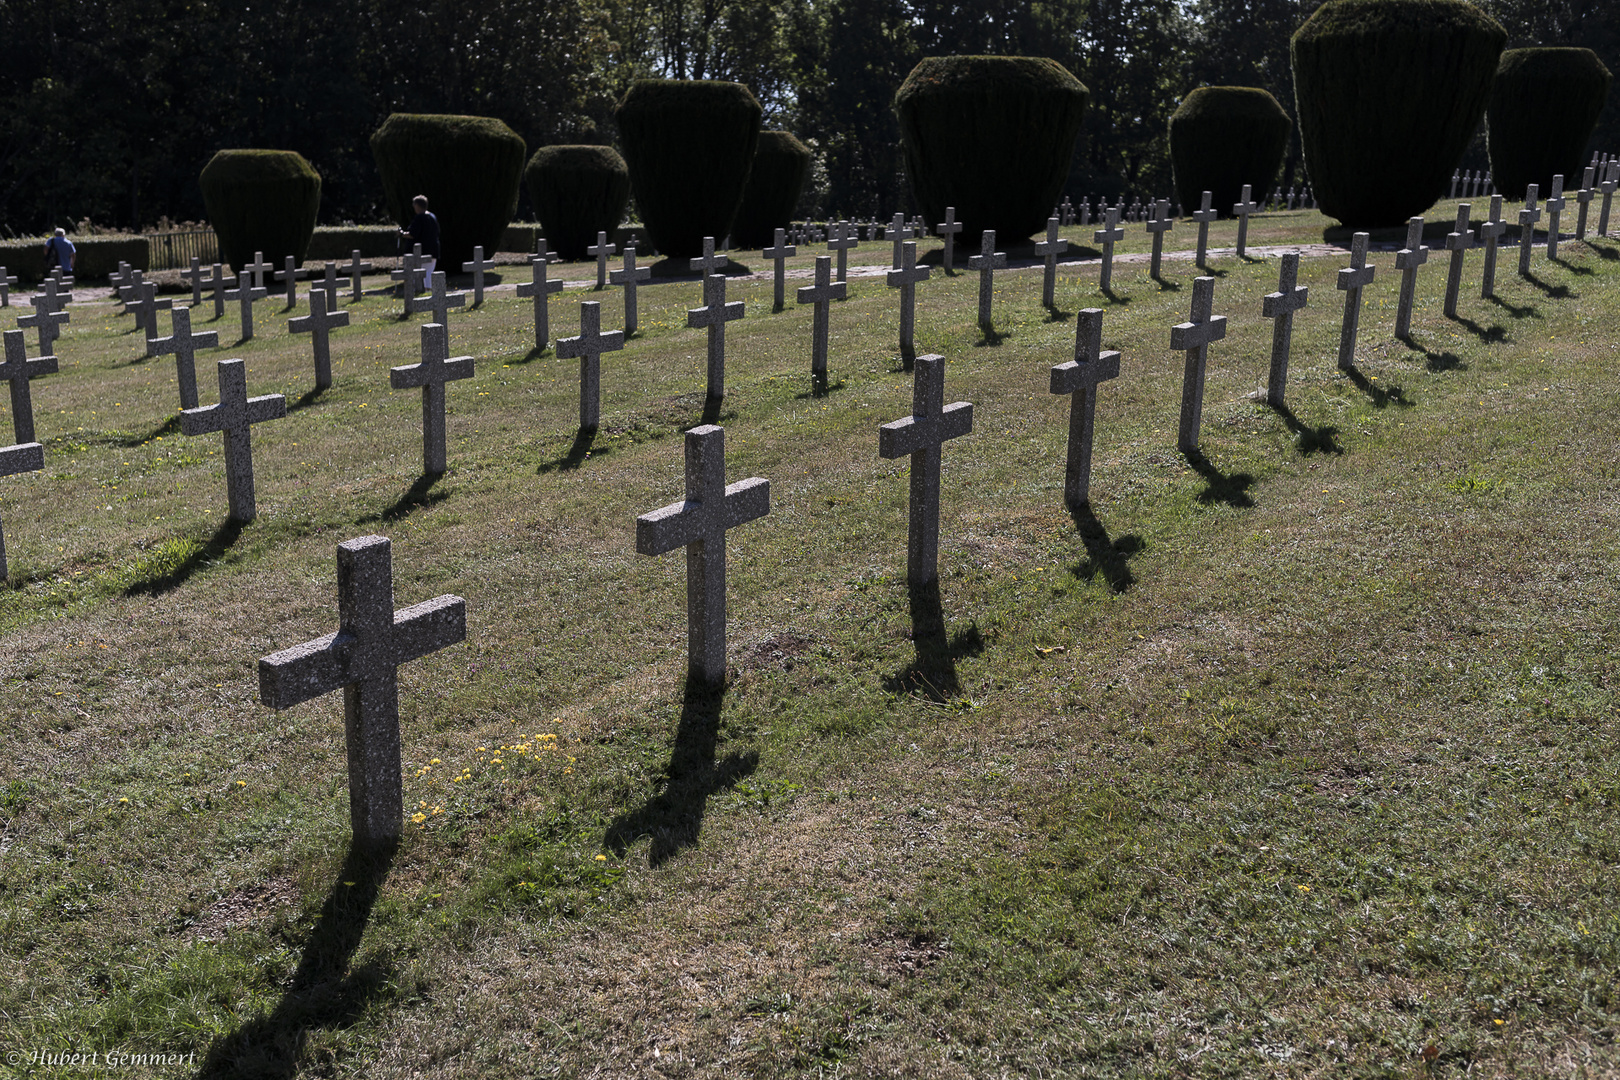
(689, 146)
(992, 136)
(97, 256)
(1223, 137)
(578, 191)
(337, 242)
(261, 200)
(1388, 95)
(1544, 104)
(467, 166)
(781, 165)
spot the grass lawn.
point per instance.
(1297, 758)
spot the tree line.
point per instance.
(109, 109)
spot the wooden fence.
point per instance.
(174, 250)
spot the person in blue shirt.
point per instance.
(424, 230)
(59, 251)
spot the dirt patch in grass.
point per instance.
(245, 905)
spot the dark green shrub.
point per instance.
(781, 165)
(335, 243)
(1388, 95)
(467, 166)
(261, 200)
(96, 256)
(1223, 137)
(991, 136)
(1544, 105)
(689, 146)
(578, 191)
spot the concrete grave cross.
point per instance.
(1555, 204)
(700, 523)
(948, 229)
(714, 314)
(118, 279)
(184, 345)
(1584, 198)
(195, 276)
(292, 275)
(235, 416)
(1611, 181)
(1085, 211)
(147, 314)
(1352, 279)
(354, 269)
(440, 301)
(217, 284)
(1194, 338)
(14, 460)
(1528, 216)
(1049, 250)
(778, 253)
(1490, 234)
(589, 347)
(986, 262)
(1242, 209)
(1079, 378)
(478, 267)
(898, 232)
(328, 284)
(905, 279)
(822, 294)
(50, 298)
(319, 324)
(7, 283)
(245, 295)
(408, 275)
(843, 240)
(1158, 225)
(17, 369)
(601, 251)
(363, 659)
(707, 263)
(921, 436)
(1108, 236)
(1281, 306)
(47, 323)
(130, 291)
(630, 277)
(436, 368)
(1407, 261)
(258, 268)
(1458, 241)
(540, 289)
(1456, 175)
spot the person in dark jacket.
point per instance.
(424, 230)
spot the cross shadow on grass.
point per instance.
(1103, 555)
(584, 442)
(989, 335)
(1437, 360)
(1057, 314)
(171, 566)
(1210, 271)
(1515, 311)
(533, 354)
(1489, 335)
(1552, 292)
(1604, 251)
(674, 817)
(1379, 397)
(1233, 490)
(168, 427)
(932, 673)
(711, 411)
(1114, 297)
(418, 495)
(819, 386)
(1166, 285)
(308, 398)
(324, 993)
(1308, 440)
(1574, 268)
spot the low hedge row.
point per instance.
(98, 256)
(337, 242)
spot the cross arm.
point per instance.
(428, 627)
(457, 367)
(908, 435)
(1074, 375)
(668, 527)
(903, 276)
(266, 407)
(1194, 335)
(21, 458)
(201, 420)
(1283, 303)
(612, 341)
(317, 667)
(746, 500)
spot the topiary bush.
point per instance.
(991, 136)
(261, 200)
(1388, 95)
(469, 168)
(1544, 104)
(689, 146)
(578, 191)
(1223, 137)
(781, 164)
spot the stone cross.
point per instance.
(1490, 233)
(1610, 182)
(258, 268)
(1243, 208)
(184, 345)
(1194, 338)
(778, 252)
(1555, 204)
(1108, 236)
(714, 314)
(1456, 175)
(1281, 305)
(17, 369)
(921, 435)
(1584, 198)
(436, 368)
(440, 302)
(602, 251)
(235, 416)
(589, 347)
(353, 269)
(1049, 249)
(51, 297)
(540, 289)
(328, 284)
(631, 276)
(898, 232)
(821, 294)
(948, 229)
(21, 458)
(319, 324)
(9, 281)
(1458, 241)
(195, 276)
(1158, 225)
(217, 283)
(1407, 261)
(1085, 211)
(130, 291)
(708, 262)
(1352, 279)
(905, 279)
(699, 523)
(46, 322)
(986, 262)
(244, 295)
(363, 658)
(119, 278)
(477, 268)
(146, 309)
(1079, 378)
(292, 275)
(1528, 216)
(842, 241)
(408, 276)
